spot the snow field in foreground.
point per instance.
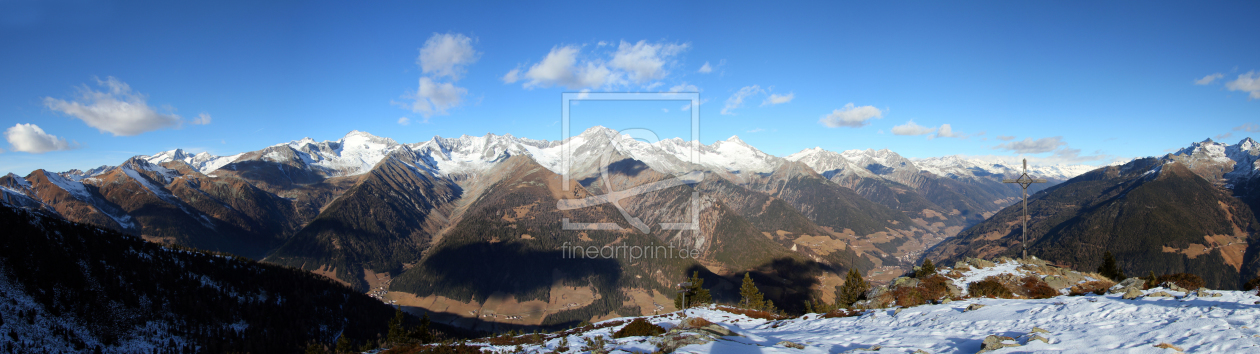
(1076, 324)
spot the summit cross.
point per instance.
(1024, 181)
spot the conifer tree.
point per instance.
(396, 331)
(343, 345)
(853, 290)
(750, 296)
(696, 293)
(1109, 268)
(925, 270)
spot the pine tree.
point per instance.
(853, 290)
(925, 270)
(696, 293)
(1109, 268)
(397, 334)
(749, 295)
(422, 334)
(343, 344)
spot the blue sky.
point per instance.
(85, 83)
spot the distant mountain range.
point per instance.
(1190, 211)
(448, 224)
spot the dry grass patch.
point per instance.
(990, 287)
(1034, 288)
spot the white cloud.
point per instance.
(1005, 137)
(757, 130)
(435, 98)
(686, 107)
(512, 76)
(1248, 127)
(444, 56)
(736, 100)
(1030, 146)
(30, 138)
(1208, 79)
(202, 119)
(684, 87)
(404, 121)
(118, 110)
(851, 116)
(645, 61)
(561, 68)
(1223, 136)
(945, 131)
(705, 69)
(601, 44)
(778, 99)
(666, 110)
(447, 55)
(911, 128)
(1248, 82)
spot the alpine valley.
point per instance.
(477, 231)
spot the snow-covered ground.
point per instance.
(1208, 322)
(1077, 324)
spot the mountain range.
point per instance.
(1191, 211)
(449, 224)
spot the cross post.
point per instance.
(1024, 181)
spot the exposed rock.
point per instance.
(1124, 286)
(1159, 294)
(875, 292)
(946, 301)
(1071, 276)
(791, 345)
(954, 291)
(1132, 293)
(1038, 330)
(1057, 282)
(718, 330)
(1037, 337)
(1173, 286)
(995, 342)
(920, 351)
(905, 282)
(979, 263)
(677, 340)
(974, 307)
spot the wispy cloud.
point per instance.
(1030, 146)
(705, 69)
(1208, 79)
(778, 99)
(684, 87)
(30, 138)
(757, 130)
(117, 110)
(737, 99)
(404, 121)
(851, 116)
(911, 128)
(1249, 82)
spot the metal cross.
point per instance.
(1024, 181)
